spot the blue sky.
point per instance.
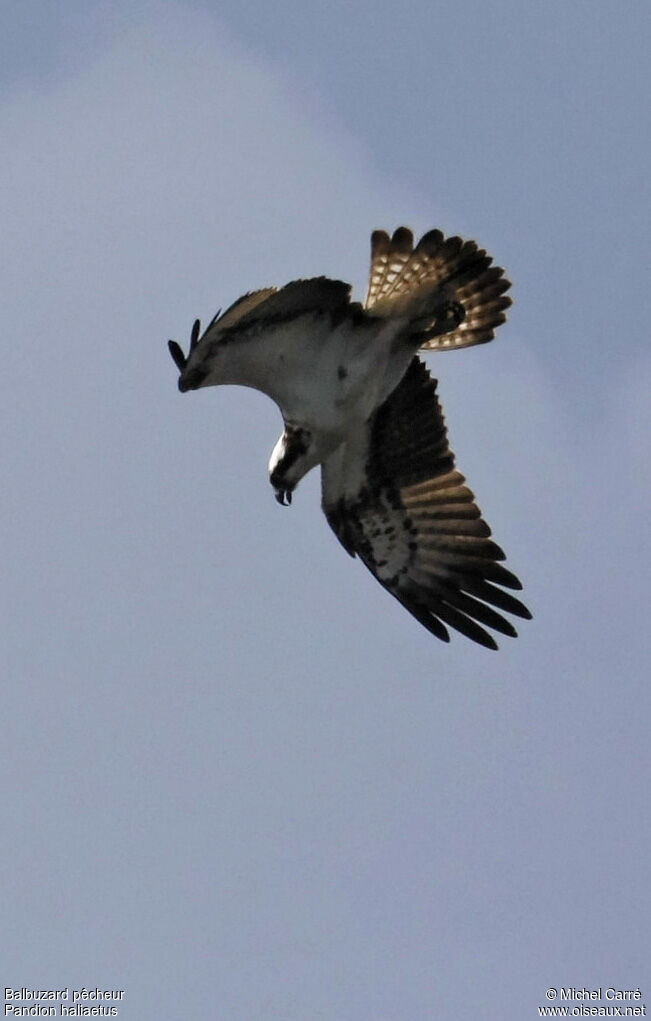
(238, 781)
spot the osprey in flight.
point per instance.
(358, 401)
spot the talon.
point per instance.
(449, 318)
(457, 311)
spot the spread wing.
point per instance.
(414, 523)
(459, 269)
(267, 308)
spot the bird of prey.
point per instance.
(357, 400)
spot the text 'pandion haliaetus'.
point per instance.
(357, 400)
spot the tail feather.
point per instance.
(404, 278)
(389, 256)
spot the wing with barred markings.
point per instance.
(414, 522)
(460, 269)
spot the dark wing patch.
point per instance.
(458, 269)
(242, 308)
(415, 524)
(319, 295)
(409, 439)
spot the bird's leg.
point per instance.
(438, 313)
(448, 318)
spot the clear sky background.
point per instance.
(236, 780)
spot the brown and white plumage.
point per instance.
(358, 402)
(399, 271)
(414, 523)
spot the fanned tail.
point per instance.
(405, 278)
